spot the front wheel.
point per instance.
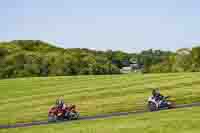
(74, 116)
(152, 107)
(52, 118)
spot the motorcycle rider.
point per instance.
(156, 95)
(60, 103)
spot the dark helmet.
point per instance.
(155, 91)
(59, 102)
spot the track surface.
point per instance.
(88, 117)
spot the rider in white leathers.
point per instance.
(156, 97)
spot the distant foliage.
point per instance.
(36, 58)
(184, 60)
(27, 58)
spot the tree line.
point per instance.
(183, 60)
(28, 58)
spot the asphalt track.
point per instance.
(88, 117)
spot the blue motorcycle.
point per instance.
(154, 105)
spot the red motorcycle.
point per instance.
(58, 113)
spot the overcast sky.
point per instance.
(130, 25)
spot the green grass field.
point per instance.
(171, 121)
(28, 99)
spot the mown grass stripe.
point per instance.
(93, 94)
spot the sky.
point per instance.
(128, 25)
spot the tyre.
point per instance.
(73, 116)
(52, 118)
(77, 115)
(171, 105)
(152, 107)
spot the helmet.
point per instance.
(59, 102)
(155, 91)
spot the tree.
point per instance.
(183, 60)
(196, 58)
(119, 57)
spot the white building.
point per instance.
(131, 68)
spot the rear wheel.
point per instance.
(172, 105)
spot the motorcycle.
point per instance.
(57, 113)
(154, 105)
